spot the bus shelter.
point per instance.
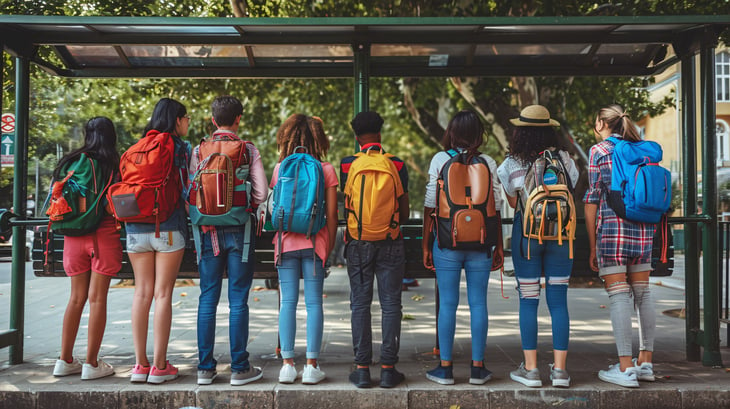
(361, 48)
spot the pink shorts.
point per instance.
(100, 251)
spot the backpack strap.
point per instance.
(246, 241)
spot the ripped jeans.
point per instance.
(552, 260)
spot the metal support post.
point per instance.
(689, 190)
(20, 188)
(710, 253)
(361, 64)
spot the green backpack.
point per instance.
(76, 201)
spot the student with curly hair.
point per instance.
(294, 255)
(535, 133)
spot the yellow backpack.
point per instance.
(371, 197)
(549, 211)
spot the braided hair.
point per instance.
(302, 130)
(619, 122)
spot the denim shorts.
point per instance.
(168, 242)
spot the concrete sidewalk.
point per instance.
(681, 384)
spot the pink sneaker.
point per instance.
(158, 376)
(140, 373)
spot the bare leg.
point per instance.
(167, 266)
(143, 265)
(530, 359)
(72, 317)
(98, 290)
(560, 358)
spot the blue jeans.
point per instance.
(294, 265)
(365, 261)
(554, 261)
(449, 264)
(240, 276)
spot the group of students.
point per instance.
(461, 226)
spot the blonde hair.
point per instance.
(302, 130)
(619, 122)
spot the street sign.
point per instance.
(7, 123)
(7, 147)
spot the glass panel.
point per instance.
(410, 50)
(55, 28)
(95, 55)
(301, 51)
(653, 27)
(532, 49)
(296, 29)
(548, 28)
(196, 51)
(432, 29)
(180, 30)
(626, 49)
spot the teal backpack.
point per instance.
(76, 201)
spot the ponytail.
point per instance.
(618, 122)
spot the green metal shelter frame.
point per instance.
(361, 48)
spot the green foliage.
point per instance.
(415, 109)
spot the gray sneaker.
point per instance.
(529, 378)
(253, 373)
(614, 375)
(645, 371)
(206, 376)
(560, 377)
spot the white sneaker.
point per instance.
(645, 371)
(287, 374)
(64, 368)
(312, 375)
(101, 370)
(614, 375)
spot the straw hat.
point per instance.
(534, 115)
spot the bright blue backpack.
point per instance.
(298, 202)
(641, 189)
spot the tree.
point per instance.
(415, 109)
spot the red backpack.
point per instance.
(150, 188)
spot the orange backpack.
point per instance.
(466, 216)
(150, 188)
(220, 189)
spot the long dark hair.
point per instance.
(302, 130)
(465, 131)
(618, 122)
(527, 142)
(100, 143)
(165, 115)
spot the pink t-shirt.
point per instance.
(298, 241)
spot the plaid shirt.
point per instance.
(619, 242)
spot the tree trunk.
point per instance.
(239, 8)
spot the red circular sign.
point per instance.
(7, 124)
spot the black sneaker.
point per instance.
(360, 377)
(479, 375)
(390, 378)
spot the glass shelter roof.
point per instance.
(325, 47)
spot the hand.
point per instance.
(428, 259)
(593, 260)
(497, 258)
